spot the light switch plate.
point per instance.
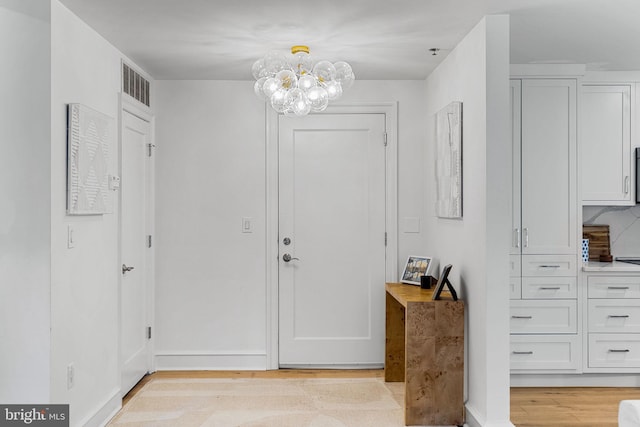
(247, 224)
(71, 237)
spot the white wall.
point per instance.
(210, 277)
(24, 201)
(84, 280)
(476, 72)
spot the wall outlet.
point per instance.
(70, 376)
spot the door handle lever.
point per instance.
(126, 269)
(288, 258)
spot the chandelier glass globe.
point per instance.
(295, 85)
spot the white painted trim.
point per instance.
(187, 361)
(390, 110)
(271, 223)
(547, 70)
(612, 77)
(471, 420)
(105, 412)
(132, 106)
(575, 380)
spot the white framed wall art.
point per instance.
(449, 161)
(90, 141)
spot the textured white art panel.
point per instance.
(449, 161)
(90, 138)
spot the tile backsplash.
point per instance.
(624, 226)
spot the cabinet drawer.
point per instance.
(515, 265)
(613, 287)
(614, 315)
(515, 286)
(550, 352)
(543, 317)
(549, 265)
(614, 350)
(555, 287)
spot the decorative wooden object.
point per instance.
(599, 244)
(425, 349)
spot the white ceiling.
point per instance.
(381, 39)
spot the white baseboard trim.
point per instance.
(471, 419)
(474, 420)
(104, 413)
(581, 380)
(211, 362)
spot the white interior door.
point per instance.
(136, 135)
(332, 225)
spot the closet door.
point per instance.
(548, 166)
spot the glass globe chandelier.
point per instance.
(295, 85)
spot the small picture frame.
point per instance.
(444, 281)
(416, 266)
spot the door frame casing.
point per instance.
(390, 111)
(133, 107)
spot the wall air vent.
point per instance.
(134, 85)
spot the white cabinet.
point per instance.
(548, 144)
(547, 353)
(605, 144)
(613, 322)
(544, 192)
(544, 310)
(543, 317)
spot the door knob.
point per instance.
(288, 257)
(125, 268)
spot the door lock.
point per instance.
(288, 258)
(286, 241)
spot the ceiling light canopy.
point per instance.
(295, 85)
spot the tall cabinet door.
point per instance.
(548, 166)
(605, 145)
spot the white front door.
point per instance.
(136, 135)
(331, 240)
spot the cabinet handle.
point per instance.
(613, 350)
(619, 316)
(626, 184)
(517, 237)
(549, 288)
(549, 266)
(522, 317)
(525, 232)
(618, 288)
(522, 352)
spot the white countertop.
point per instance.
(612, 267)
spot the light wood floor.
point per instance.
(530, 406)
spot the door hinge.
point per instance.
(385, 139)
(150, 148)
(385, 238)
(148, 332)
(149, 241)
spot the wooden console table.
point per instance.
(425, 349)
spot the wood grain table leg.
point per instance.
(394, 341)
